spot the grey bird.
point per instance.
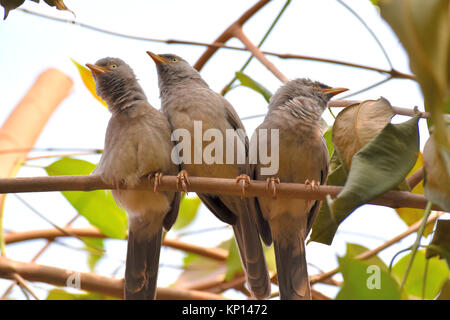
(137, 145)
(185, 98)
(295, 110)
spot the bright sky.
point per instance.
(324, 28)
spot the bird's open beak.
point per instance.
(333, 91)
(156, 58)
(96, 69)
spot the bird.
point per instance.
(295, 111)
(186, 98)
(137, 146)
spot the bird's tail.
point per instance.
(252, 256)
(292, 270)
(142, 264)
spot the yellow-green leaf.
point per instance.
(88, 80)
(412, 215)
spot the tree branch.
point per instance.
(228, 33)
(90, 281)
(393, 199)
(51, 234)
(371, 253)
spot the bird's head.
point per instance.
(307, 88)
(172, 69)
(114, 80)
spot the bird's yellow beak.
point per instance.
(96, 69)
(156, 58)
(333, 91)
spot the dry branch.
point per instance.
(90, 281)
(51, 234)
(393, 199)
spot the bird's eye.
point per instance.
(113, 66)
(174, 59)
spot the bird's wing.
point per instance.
(324, 167)
(172, 215)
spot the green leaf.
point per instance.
(423, 28)
(234, 265)
(378, 167)
(440, 245)
(188, 212)
(436, 274)
(325, 226)
(60, 294)
(365, 280)
(412, 215)
(98, 206)
(328, 139)
(269, 254)
(246, 81)
(9, 5)
(95, 247)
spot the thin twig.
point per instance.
(374, 36)
(221, 45)
(23, 284)
(283, 9)
(371, 253)
(239, 33)
(36, 256)
(374, 85)
(416, 244)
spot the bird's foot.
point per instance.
(245, 181)
(271, 184)
(117, 184)
(157, 180)
(314, 185)
(183, 180)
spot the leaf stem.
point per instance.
(416, 244)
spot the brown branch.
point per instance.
(398, 110)
(228, 33)
(220, 45)
(51, 234)
(415, 178)
(239, 33)
(371, 253)
(393, 199)
(36, 256)
(90, 281)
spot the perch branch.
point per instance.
(394, 199)
(90, 281)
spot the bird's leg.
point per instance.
(314, 185)
(117, 184)
(245, 179)
(158, 176)
(183, 180)
(271, 184)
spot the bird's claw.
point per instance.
(314, 185)
(271, 184)
(183, 180)
(158, 176)
(245, 180)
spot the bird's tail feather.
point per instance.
(142, 264)
(252, 256)
(292, 270)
